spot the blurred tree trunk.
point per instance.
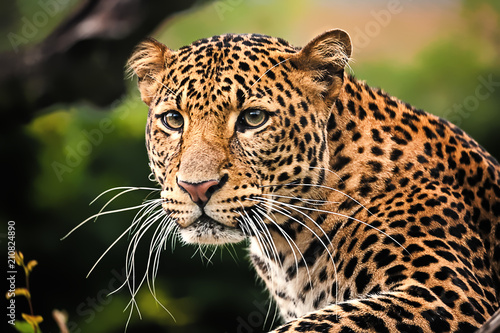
(82, 59)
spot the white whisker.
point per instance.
(126, 188)
(268, 236)
(159, 236)
(149, 213)
(325, 187)
(337, 214)
(271, 205)
(288, 239)
(163, 84)
(108, 249)
(256, 232)
(100, 214)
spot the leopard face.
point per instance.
(236, 120)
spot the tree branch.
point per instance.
(82, 59)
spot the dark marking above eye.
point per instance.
(281, 101)
(240, 97)
(391, 112)
(362, 112)
(178, 100)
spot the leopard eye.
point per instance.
(254, 118)
(173, 120)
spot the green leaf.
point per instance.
(24, 327)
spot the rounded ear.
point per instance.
(326, 57)
(147, 62)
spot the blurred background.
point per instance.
(72, 127)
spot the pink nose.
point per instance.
(200, 193)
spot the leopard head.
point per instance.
(236, 125)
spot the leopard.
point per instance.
(361, 212)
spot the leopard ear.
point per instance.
(325, 57)
(147, 62)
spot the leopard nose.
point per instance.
(200, 192)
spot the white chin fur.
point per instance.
(210, 233)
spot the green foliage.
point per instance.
(24, 327)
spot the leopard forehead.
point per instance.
(230, 52)
(217, 74)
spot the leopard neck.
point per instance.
(368, 147)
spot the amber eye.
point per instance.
(253, 118)
(173, 120)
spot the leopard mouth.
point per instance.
(211, 232)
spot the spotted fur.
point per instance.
(363, 213)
